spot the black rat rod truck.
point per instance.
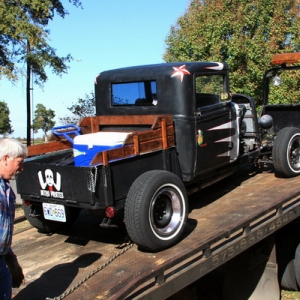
(161, 132)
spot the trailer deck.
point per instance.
(85, 263)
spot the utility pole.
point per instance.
(28, 100)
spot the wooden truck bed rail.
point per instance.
(48, 147)
(93, 124)
(160, 136)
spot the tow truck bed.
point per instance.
(235, 214)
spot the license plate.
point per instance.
(54, 212)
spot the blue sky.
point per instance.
(105, 34)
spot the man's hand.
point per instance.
(15, 270)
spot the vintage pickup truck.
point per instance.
(161, 132)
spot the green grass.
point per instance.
(286, 295)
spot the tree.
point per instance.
(5, 126)
(24, 38)
(84, 107)
(43, 119)
(243, 33)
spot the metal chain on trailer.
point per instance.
(79, 283)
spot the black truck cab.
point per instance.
(196, 94)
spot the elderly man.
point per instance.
(12, 154)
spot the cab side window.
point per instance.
(209, 90)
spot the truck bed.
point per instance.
(226, 219)
(149, 133)
(83, 186)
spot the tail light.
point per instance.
(110, 212)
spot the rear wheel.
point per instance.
(34, 215)
(297, 265)
(288, 280)
(287, 250)
(286, 152)
(156, 210)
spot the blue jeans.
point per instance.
(5, 281)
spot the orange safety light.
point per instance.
(285, 58)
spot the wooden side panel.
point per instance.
(48, 147)
(93, 124)
(129, 151)
(160, 136)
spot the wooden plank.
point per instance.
(164, 133)
(48, 147)
(168, 119)
(128, 120)
(129, 150)
(136, 144)
(149, 135)
(94, 124)
(151, 120)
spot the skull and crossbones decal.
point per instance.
(49, 180)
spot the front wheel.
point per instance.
(156, 210)
(286, 152)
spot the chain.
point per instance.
(78, 284)
(94, 179)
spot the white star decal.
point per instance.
(219, 66)
(180, 71)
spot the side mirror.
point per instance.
(276, 81)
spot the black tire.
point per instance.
(287, 243)
(156, 210)
(297, 265)
(288, 280)
(48, 226)
(286, 152)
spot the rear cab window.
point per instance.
(141, 93)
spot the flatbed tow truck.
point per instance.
(235, 228)
(140, 158)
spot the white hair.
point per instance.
(13, 148)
